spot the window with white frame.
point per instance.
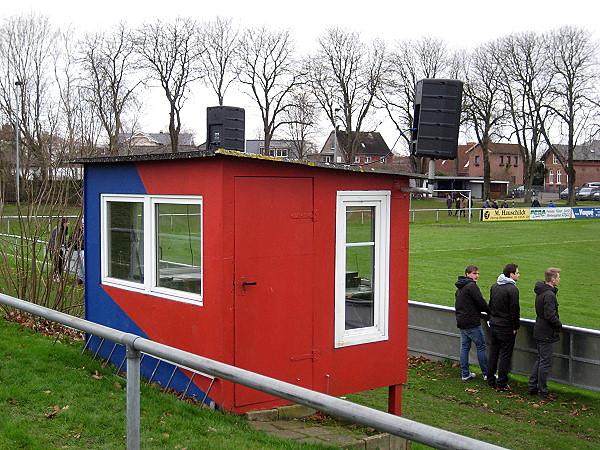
(551, 176)
(153, 244)
(554, 159)
(516, 161)
(558, 177)
(362, 267)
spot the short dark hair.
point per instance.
(471, 268)
(509, 268)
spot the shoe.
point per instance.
(485, 378)
(506, 388)
(532, 391)
(549, 396)
(469, 377)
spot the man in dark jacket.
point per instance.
(545, 332)
(504, 323)
(469, 306)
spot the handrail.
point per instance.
(399, 426)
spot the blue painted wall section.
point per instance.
(100, 307)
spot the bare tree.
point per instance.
(526, 86)
(575, 72)
(171, 52)
(484, 107)
(270, 73)
(27, 44)
(409, 62)
(345, 76)
(108, 63)
(301, 118)
(219, 62)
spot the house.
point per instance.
(296, 270)
(505, 162)
(278, 148)
(371, 148)
(152, 143)
(586, 161)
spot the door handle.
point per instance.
(248, 283)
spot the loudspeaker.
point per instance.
(437, 118)
(225, 127)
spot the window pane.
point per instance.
(178, 247)
(359, 289)
(360, 224)
(125, 241)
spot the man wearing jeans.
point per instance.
(469, 306)
(545, 332)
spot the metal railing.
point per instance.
(355, 413)
(432, 332)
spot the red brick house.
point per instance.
(586, 160)
(505, 162)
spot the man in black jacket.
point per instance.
(469, 306)
(504, 323)
(545, 332)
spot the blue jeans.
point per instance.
(476, 336)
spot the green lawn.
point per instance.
(439, 253)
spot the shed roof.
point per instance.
(236, 154)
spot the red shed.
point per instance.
(294, 270)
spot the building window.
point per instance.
(476, 160)
(501, 160)
(368, 159)
(278, 152)
(558, 176)
(516, 161)
(551, 176)
(327, 159)
(356, 159)
(554, 159)
(153, 244)
(362, 267)
(508, 160)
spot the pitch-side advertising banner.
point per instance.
(586, 213)
(550, 213)
(505, 214)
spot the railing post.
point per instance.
(133, 399)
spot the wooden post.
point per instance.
(395, 399)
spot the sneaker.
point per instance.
(506, 388)
(469, 377)
(485, 378)
(549, 396)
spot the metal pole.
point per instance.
(133, 399)
(18, 84)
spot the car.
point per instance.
(592, 184)
(520, 191)
(586, 193)
(565, 193)
(597, 196)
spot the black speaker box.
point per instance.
(225, 127)
(437, 118)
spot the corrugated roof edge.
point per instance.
(236, 154)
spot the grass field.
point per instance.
(440, 252)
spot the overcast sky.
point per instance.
(462, 24)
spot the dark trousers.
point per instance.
(539, 376)
(502, 343)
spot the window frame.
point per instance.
(150, 229)
(379, 331)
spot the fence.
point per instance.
(432, 332)
(135, 345)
